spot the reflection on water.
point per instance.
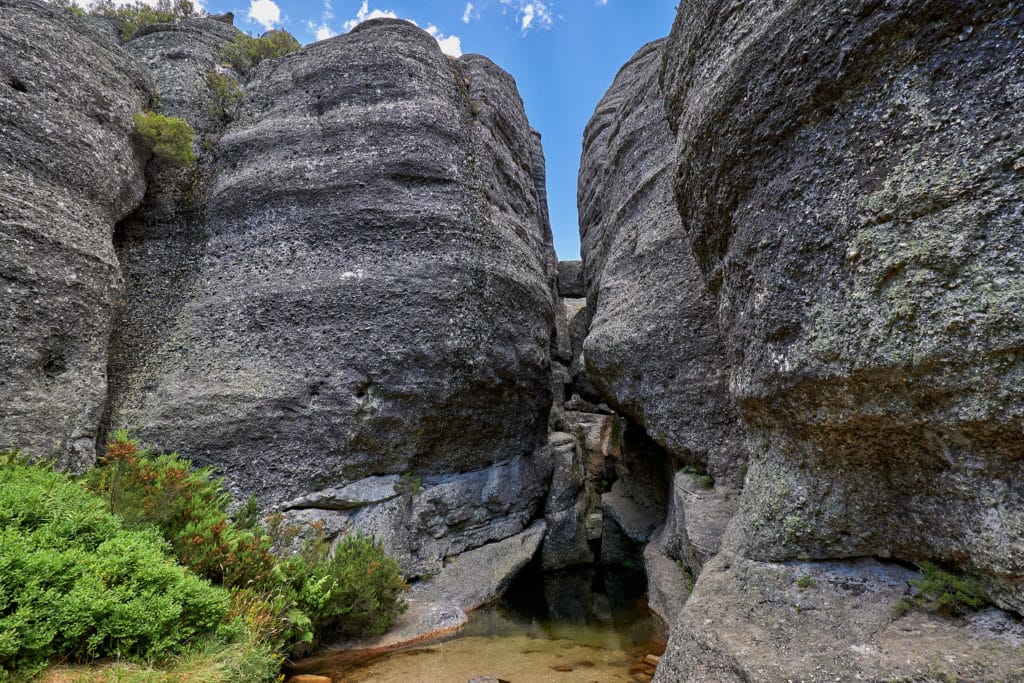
(579, 626)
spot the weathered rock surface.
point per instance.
(570, 280)
(568, 503)
(337, 323)
(697, 520)
(819, 621)
(69, 170)
(856, 205)
(422, 521)
(161, 246)
(653, 348)
(466, 582)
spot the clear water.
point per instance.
(564, 627)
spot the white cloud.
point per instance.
(365, 14)
(323, 31)
(531, 13)
(266, 13)
(602, 3)
(450, 45)
(468, 14)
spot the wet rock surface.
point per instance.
(69, 170)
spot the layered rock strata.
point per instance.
(69, 170)
(336, 321)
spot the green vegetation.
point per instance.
(76, 584)
(132, 17)
(140, 560)
(224, 94)
(943, 592)
(409, 484)
(168, 137)
(703, 480)
(246, 52)
(806, 581)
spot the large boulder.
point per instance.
(69, 171)
(367, 294)
(829, 621)
(851, 179)
(653, 347)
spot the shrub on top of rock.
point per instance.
(246, 52)
(131, 17)
(168, 137)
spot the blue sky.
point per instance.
(562, 53)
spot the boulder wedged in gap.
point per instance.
(70, 169)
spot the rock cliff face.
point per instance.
(347, 305)
(849, 182)
(69, 170)
(331, 321)
(653, 347)
(863, 235)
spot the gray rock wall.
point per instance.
(653, 348)
(848, 183)
(69, 170)
(365, 291)
(856, 204)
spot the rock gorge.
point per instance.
(786, 372)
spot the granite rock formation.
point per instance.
(70, 169)
(847, 183)
(862, 234)
(331, 318)
(653, 348)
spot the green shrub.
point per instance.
(246, 52)
(354, 593)
(806, 581)
(134, 16)
(75, 584)
(944, 592)
(168, 137)
(409, 484)
(224, 94)
(188, 506)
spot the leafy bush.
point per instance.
(188, 506)
(246, 52)
(134, 16)
(943, 592)
(75, 584)
(224, 94)
(354, 593)
(168, 137)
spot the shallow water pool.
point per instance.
(563, 627)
